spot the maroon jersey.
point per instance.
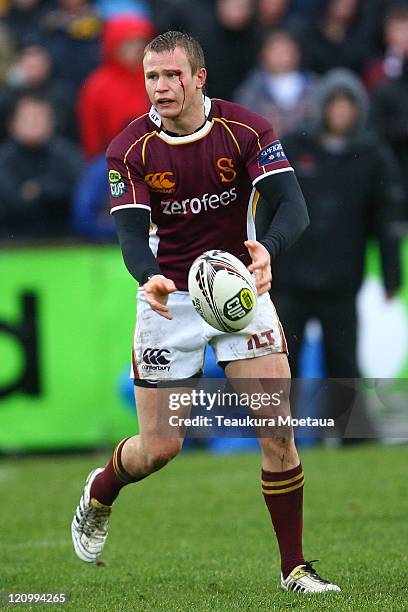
(200, 189)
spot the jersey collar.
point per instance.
(156, 119)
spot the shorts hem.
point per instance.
(227, 360)
(177, 382)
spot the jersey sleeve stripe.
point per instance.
(139, 118)
(126, 164)
(248, 128)
(255, 203)
(230, 132)
(131, 182)
(243, 125)
(122, 206)
(259, 178)
(146, 140)
(136, 142)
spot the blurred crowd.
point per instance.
(71, 78)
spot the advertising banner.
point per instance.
(66, 321)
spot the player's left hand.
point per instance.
(260, 266)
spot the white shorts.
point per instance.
(174, 349)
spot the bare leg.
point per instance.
(151, 449)
(278, 452)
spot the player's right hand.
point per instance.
(157, 291)
(260, 266)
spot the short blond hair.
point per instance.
(168, 42)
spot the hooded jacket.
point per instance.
(352, 193)
(112, 95)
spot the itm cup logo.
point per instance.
(240, 305)
(114, 176)
(24, 334)
(116, 183)
(247, 299)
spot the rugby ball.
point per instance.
(222, 290)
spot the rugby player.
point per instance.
(186, 178)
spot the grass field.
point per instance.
(197, 536)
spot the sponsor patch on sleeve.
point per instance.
(272, 154)
(117, 185)
(114, 176)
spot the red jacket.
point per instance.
(112, 95)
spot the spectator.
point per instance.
(271, 14)
(37, 173)
(231, 47)
(23, 18)
(390, 112)
(336, 39)
(72, 34)
(352, 185)
(278, 89)
(279, 14)
(373, 17)
(390, 65)
(90, 216)
(31, 72)
(114, 94)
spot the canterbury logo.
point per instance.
(161, 181)
(156, 357)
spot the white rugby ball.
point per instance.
(222, 290)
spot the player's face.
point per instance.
(170, 84)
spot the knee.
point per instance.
(278, 446)
(159, 453)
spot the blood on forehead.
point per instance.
(178, 72)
